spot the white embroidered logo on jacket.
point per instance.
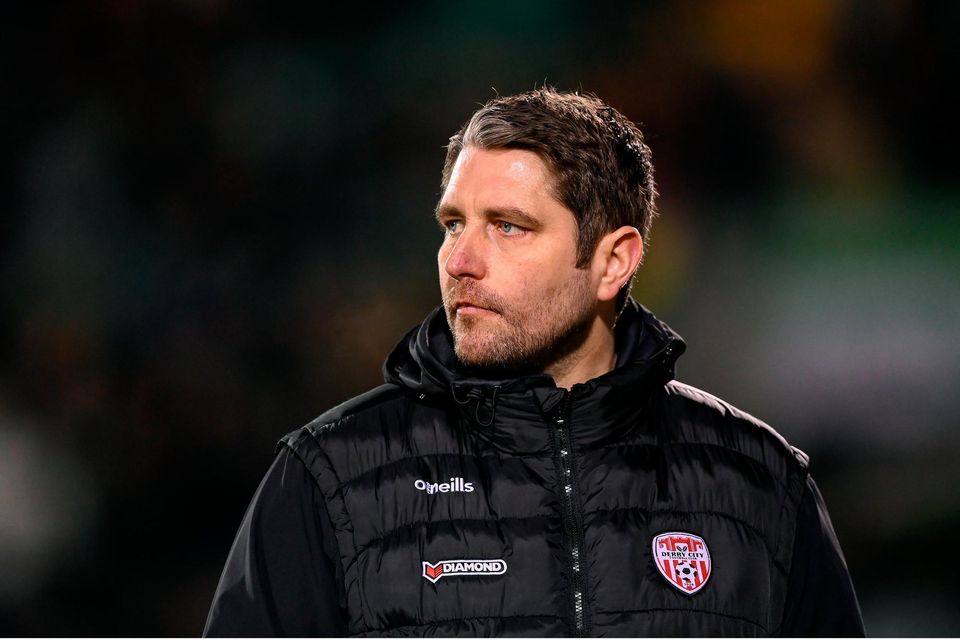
(456, 485)
(451, 568)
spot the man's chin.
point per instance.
(476, 351)
(478, 348)
(487, 355)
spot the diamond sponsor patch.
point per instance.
(451, 568)
(683, 559)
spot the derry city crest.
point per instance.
(683, 559)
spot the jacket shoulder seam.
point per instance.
(342, 413)
(793, 456)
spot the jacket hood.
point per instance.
(424, 360)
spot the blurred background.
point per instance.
(216, 220)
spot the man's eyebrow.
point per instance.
(446, 211)
(515, 213)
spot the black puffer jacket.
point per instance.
(445, 505)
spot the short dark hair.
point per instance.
(602, 167)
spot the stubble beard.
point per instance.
(519, 340)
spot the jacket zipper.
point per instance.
(572, 521)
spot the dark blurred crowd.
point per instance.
(217, 219)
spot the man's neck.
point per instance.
(595, 357)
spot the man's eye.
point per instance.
(508, 228)
(452, 226)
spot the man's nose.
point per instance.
(466, 258)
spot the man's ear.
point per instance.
(617, 257)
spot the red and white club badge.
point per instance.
(683, 559)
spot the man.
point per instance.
(530, 466)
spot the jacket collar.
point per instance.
(518, 414)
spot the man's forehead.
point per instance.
(510, 178)
(509, 164)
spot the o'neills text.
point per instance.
(455, 485)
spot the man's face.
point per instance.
(513, 296)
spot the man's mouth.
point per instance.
(470, 307)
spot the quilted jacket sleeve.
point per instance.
(820, 597)
(280, 578)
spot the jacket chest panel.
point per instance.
(470, 533)
(689, 479)
(634, 493)
(625, 573)
(438, 488)
(443, 537)
(453, 570)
